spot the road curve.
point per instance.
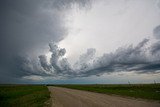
(64, 97)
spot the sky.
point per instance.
(79, 41)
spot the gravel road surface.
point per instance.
(64, 97)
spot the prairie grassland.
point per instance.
(145, 91)
(23, 95)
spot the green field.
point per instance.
(145, 91)
(23, 95)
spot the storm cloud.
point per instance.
(26, 29)
(30, 29)
(140, 59)
(156, 32)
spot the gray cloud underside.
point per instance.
(138, 58)
(26, 27)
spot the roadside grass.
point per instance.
(145, 91)
(23, 95)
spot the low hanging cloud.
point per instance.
(140, 58)
(44, 63)
(85, 60)
(57, 65)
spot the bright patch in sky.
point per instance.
(108, 25)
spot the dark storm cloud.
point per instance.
(26, 27)
(140, 59)
(57, 61)
(124, 59)
(85, 59)
(156, 32)
(44, 63)
(155, 48)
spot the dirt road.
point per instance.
(63, 97)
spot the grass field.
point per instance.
(23, 95)
(145, 91)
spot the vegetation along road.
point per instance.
(23, 95)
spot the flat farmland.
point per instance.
(95, 95)
(23, 95)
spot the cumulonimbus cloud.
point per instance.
(28, 26)
(140, 58)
